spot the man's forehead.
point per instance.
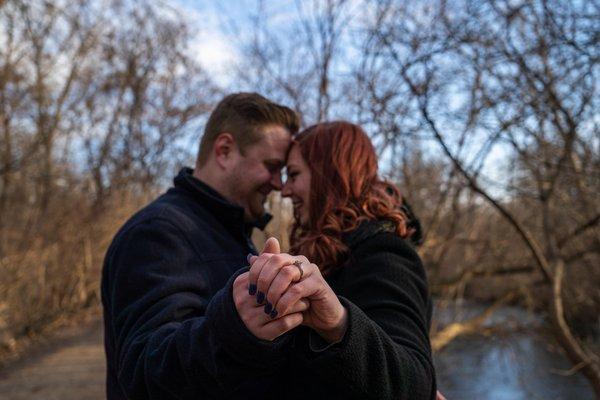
(276, 134)
(275, 142)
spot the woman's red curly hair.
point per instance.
(344, 190)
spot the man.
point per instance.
(172, 329)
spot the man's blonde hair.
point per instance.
(241, 115)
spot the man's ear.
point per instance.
(223, 149)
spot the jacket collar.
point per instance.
(365, 230)
(230, 214)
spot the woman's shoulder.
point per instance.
(378, 254)
(376, 235)
(365, 230)
(376, 245)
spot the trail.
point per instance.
(69, 366)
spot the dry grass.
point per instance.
(55, 278)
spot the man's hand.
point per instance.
(252, 313)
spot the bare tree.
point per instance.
(304, 71)
(98, 104)
(520, 79)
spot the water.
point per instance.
(513, 365)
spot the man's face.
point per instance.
(258, 171)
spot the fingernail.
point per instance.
(260, 297)
(273, 314)
(252, 289)
(249, 256)
(268, 308)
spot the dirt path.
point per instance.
(70, 366)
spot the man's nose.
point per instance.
(276, 181)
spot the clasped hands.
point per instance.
(271, 299)
(274, 297)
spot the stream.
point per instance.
(518, 362)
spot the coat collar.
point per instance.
(232, 215)
(365, 230)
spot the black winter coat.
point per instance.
(385, 353)
(172, 331)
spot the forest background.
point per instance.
(484, 113)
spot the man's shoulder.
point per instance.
(167, 221)
(167, 214)
(171, 208)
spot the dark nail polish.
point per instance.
(260, 297)
(268, 308)
(248, 257)
(252, 289)
(273, 314)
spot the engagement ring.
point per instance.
(298, 264)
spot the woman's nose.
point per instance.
(276, 181)
(286, 191)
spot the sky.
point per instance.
(219, 26)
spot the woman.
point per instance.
(354, 281)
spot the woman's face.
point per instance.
(297, 185)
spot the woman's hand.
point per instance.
(280, 285)
(258, 323)
(262, 325)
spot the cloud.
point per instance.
(210, 46)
